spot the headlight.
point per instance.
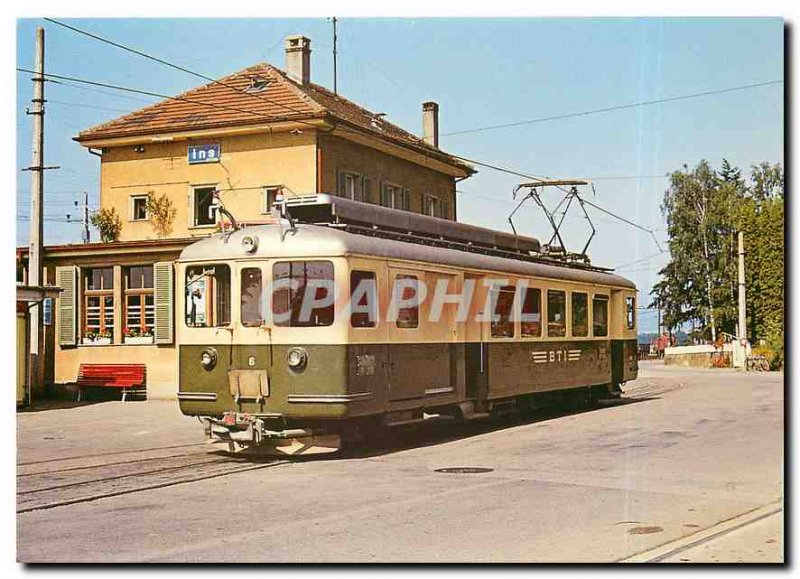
(296, 358)
(250, 243)
(208, 358)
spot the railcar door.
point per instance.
(420, 365)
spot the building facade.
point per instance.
(239, 142)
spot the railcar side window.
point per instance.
(252, 298)
(364, 288)
(502, 323)
(408, 317)
(600, 315)
(304, 293)
(580, 315)
(208, 296)
(531, 324)
(556, 313)
(630, 306)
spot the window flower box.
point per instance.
(97, 341)
(138, 340)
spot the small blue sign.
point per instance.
(47, 311)
(204, 154)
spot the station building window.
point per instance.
(139, 208)
(252, 312)
(208, 296)
(304, 293)
(531, 320)
(363, 285)
(395, 197)
(580, 315)
(407, 317)
(98, 303)
(268, 196)
(351, 186)
(502, 322)
(600, 316)
(556, 313)
(205, 208)
(432, 206)
(630, 308)
(140, 309)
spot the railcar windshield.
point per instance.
(303, 293)
(252, 311)
(208, 296)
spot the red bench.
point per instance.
(132, 378)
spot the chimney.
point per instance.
(298, 58)
(430, 123)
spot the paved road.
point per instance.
(690, 450)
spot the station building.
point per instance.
(247, 137)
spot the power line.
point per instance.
(100, 91)
(541, 177)
(85, 106)
(643, 259)
(174, 66)
(614, 108)
(149, 93)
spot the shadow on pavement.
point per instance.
(395, 439)
(45, 405)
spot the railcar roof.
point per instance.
(310, 241)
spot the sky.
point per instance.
(483, 72)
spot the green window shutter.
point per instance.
(67, 280)
(369, 197)
(340, 184)
(164, 301)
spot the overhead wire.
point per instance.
(543, 177)
(177, 67)
(615, 108)
(637, 261)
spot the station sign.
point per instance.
(204, 154)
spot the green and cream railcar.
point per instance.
(304, 382)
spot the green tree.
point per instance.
(161, 213)
(705, 210)
(108, 224)
(761, 217)
(697, 207)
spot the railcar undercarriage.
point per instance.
(273, 435)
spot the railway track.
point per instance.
(705, 536)
(69, 483)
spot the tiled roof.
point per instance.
(256, 95)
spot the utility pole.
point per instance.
(659, 319)
(37, 185)
(335, 91)
(86, 236)
(742, 296)
(35, 250)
